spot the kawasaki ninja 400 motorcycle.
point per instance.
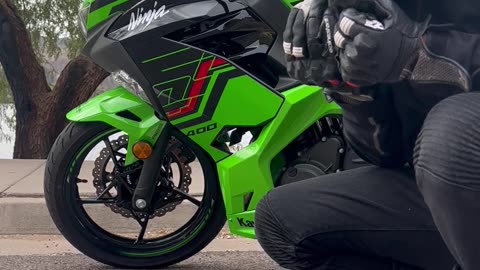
(199, 77)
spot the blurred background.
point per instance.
(42, 74)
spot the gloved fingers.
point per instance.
(314, 19)
(288, 33)
(381, 9)
(339, 38)
(306, 6)
(360, 51)
(343, 4)
(297, 70)
(366, 46)
(353, 69)
(330, 19)
(331, 73)
(352, 22)
(295, 40)
(299, 49)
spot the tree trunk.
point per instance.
(76, 84)
(40, 111)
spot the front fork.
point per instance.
(142, 197)
(128, 113)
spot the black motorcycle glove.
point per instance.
(311, 52)
(376, 40)
(379, 43)
(308, 44)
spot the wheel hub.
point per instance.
(125, 179)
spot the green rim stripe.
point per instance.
(85, 148)
(150, 254)
(175, 247)
(165, 55)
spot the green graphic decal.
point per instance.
(186, 93)
(97, 16)
(291, 3)
(165, 55)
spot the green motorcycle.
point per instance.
(198, 78)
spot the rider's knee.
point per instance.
(272, 236)
(448, 147)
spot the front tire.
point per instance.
(61, 197)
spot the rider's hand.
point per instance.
(309, 46)
(377, 41)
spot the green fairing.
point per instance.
(105, 108)
(87, 3)
(244, 102)
(291, 3)
(101, 14)
(249, 170)
(246, 176)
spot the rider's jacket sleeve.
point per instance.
(460, 46)
(384, 131)
(372, 128)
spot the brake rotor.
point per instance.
(102, 179)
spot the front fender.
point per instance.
(124, 111)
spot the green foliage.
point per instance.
(53, 26)
(56, 38)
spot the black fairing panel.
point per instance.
(275, 13)
(240, 36)
(247, 32)
(170, 16)
(272, 11)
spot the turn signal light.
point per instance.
(142, 150)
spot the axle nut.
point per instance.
(141, 204)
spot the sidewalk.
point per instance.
(23, 209)
(28, 235)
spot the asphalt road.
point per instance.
(204, 261)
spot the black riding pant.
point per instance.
(426, 217)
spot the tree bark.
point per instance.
(40, 111)
(76, 84)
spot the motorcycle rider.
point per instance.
(404, 74)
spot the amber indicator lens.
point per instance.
(142, 150)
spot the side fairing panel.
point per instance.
(201, 92)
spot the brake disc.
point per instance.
(102, 179)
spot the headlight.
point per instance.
(122, 78)
(83, 16)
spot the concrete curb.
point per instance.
(23, 209)
(30, 216)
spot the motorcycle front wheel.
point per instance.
(87, 217)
